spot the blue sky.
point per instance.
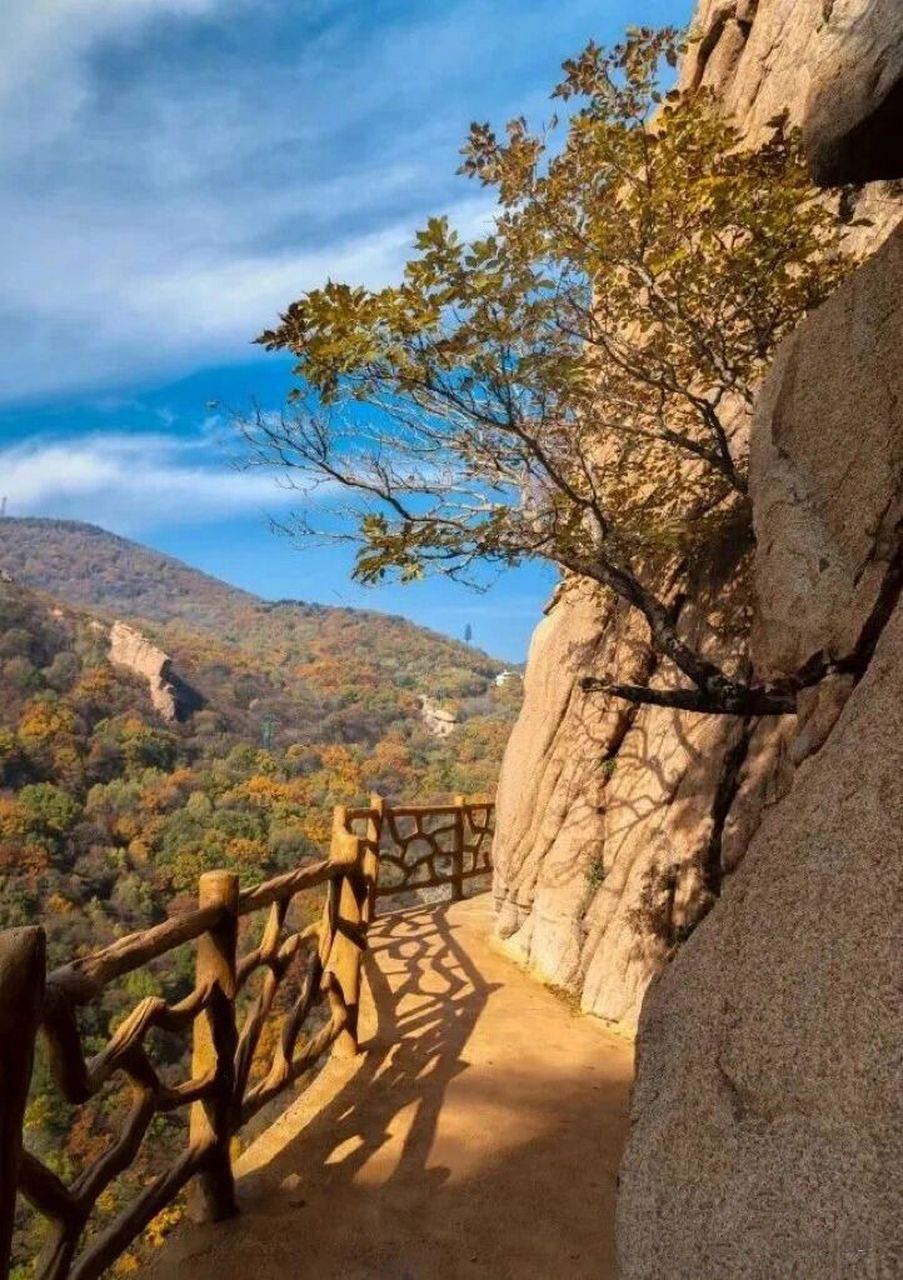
(175, 172)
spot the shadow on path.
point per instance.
(478, 1134)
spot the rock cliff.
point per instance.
(439, 720)
(607, 814)
(767, 1129)
(834, 68)
(130, 649)
(616, 827)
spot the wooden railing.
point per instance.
(426, 846)
(416, 847)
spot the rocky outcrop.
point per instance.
(767, 1134)
(832, 67)
(853, 122)
(439, 720)
(130, 649)
(606, 813)
(615, 827)
(826, 465)
(758, 56)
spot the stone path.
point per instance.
(478, 1134)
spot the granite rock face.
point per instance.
(853, 119)
(604, 813)
(832, 67)
(549, 852)
(767, 1135)
(826, 470)
(767, 1126)
(758, 57)
(607, 817)
(130, 649)
(439, 720)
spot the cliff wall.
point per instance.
(767, 1130)
(767, 1127)
(617, 826)
(832, 67)
(130, 649)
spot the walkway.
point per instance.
(478, 1134)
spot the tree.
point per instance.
(576, 384)
(50, 812)
(468, 633)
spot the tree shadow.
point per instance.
(618, 841)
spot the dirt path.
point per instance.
(479, 1135)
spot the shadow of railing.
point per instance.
(427, 996)
(478, 1133)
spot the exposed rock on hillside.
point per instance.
(130, 649)
(834, 67)
(440, 721)
(767, 1129)
(284, 670)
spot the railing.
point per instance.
(426, 846)
(416, 847)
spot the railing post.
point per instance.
(215, 1039)
(22, 974)
(457, 884)
(347, 907)
(346, 964)
(371, 854)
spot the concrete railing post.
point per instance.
(457, 884)
(371, 853)
(346, 907)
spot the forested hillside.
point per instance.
(107, 812)
(278, 672)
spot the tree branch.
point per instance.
(736, 700)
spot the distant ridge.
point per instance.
(87, 565)
(320, 672)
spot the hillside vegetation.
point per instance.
(343, 675)
(303, 707)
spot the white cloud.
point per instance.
(137, 482)
(46, 38)
(124, 316)
(174, 175)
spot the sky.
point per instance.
(172, 174)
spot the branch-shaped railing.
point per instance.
(426, 846)
(375, 850)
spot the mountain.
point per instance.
(109, 809)
(285, 670)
